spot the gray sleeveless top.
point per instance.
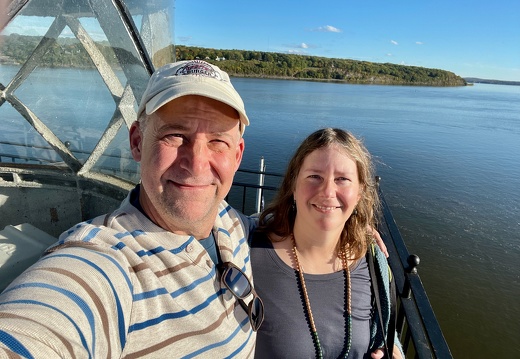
(285, 332)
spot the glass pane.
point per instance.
(77, 108)
(154, 20)
(117, 159)
(20, 143)
(66, 68)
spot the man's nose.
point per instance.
(195, 158)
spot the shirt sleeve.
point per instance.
(250, 223)
(73, 302)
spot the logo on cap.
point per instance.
(198, 68)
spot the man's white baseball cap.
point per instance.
(193, 77)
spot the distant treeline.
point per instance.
(64, 53)
(70, 53)
(290, 66)
(475, 80)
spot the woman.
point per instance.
(308, 255)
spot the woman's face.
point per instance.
(327, 189)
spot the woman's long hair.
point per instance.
(280, 215)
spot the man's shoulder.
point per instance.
(107, 227)
(225, 210)
(83, 231)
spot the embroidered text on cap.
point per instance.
(198, 68)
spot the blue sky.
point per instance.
(470, 38)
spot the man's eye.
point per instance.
(173, 135)
(173, 138)
(219, 143)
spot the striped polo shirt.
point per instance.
(120, 286)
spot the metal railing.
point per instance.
(250, 187)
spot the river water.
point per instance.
(450, 168)
(448, 158)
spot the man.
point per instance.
(143, 281)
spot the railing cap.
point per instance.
(413, 261)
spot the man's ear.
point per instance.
(239, 153)
(136, 138)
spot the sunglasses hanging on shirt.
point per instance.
(234, 279)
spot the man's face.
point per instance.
(189, 151)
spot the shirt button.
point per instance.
(189, 248)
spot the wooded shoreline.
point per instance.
(240, 63)
(243, 63)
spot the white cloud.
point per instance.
(303, 45)
(394, 42)
(389, 55)
(296, 52)
(419, 43)
(327, 28)
(184, 38)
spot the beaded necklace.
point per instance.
(314, 331)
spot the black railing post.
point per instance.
(413, 261)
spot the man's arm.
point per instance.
(71, 303)
(249, 223)
(379, 240)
